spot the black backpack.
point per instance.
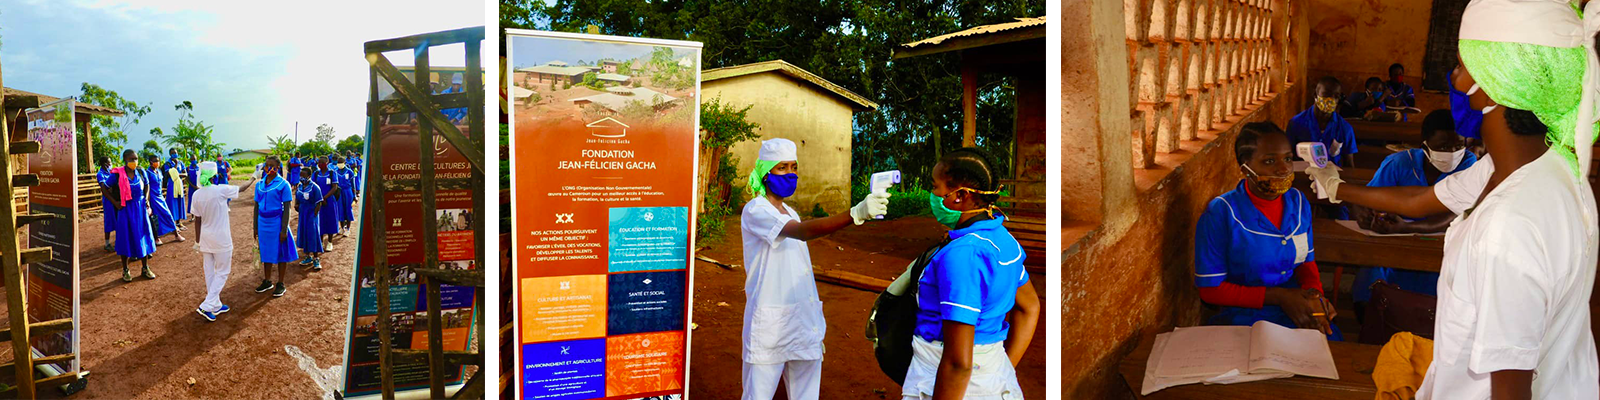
(894, 318)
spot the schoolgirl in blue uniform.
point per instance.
(328, 183)
(308, 203)
(161, 220)
(972, 293)
(1443, 154)
(105, 179)
(1322, 123)
(346, 194)
(175, 202)
(129, 194)
(1253, 245)
(272, 225)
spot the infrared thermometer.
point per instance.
(880, 182)
(1314, 153)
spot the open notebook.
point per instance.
(1234, 354)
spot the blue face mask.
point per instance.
(783, 185)
(1467, 119)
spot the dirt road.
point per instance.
(143, 339)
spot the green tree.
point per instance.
(151, 148)
(315, 148)
(592, 80)
(107, 131)
(190, 135)
(325, 133)
(281, 146)
(351, 143)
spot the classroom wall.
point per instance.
(1131, 274)
(1355, 40)
(817, 121)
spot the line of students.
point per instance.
(977, 309)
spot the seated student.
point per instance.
(1322, 123)
(1253, 254)
(1443, 153)
(1359, 104)
(1400, 94)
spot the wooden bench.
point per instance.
(1354, 361)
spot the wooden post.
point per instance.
(11, 267)
(969, 104)
(430, 232)
(380, 254)
(477, 132)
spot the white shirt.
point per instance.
(1460, 190)
(782, 314)
(210, 203)
(1514, 289)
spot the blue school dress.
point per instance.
(270, 196)
(972, 280)
(1235, 243)
(1403, 169)
(294, 169)
(162, 216)
(132, 220)
(193, 184)
(106, 180)
(223, 171)
(180, 211)
(1303, 128)
(329, 216)
(347, 194)
(306, 198)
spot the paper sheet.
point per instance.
(1205, 352)
(1354, 226)
(1275, 348)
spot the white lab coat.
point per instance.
(993, 377)
(216, 241)
(1515, 284)
(782, 313)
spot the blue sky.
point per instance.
(251, 69)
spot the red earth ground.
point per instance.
(143, 339)
(849, 370)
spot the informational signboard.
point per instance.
(603, 146)
(53, 285)
(398, 141)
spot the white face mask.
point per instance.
(1445, 161)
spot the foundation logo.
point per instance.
(608, 128)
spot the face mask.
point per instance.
(1271, 186)
(1327, 104)
(782, 185)
(1467, 120)
(944, 214)
(1445, 161)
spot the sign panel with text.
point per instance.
(53, 285)
(603, 145)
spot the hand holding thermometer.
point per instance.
(1315, 154)
(880, 182)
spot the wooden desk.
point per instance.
(1336, 244)
(1354, 361)
(1404, 132)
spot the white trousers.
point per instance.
(217, 265)
(803, 378)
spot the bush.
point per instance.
(566, 85)
(905, 199)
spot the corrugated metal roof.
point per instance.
(787, 69)
(1021, 23)
(551, 69)
(611, 77)
(81, 107)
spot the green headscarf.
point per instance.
(1545, 80)
(205, 176)
(757, 186)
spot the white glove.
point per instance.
(1325, 181)
(874, 205)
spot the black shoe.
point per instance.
(280, 290)
(266, 285)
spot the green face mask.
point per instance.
(941, 213)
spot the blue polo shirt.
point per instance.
(1303, 128)
(972, 280)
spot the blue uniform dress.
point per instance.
(1303, 128)
(347, 194)
(180, 210)
(133, 221)
(1235, 243)
(1402, 91)
(223, 171)
(310, 229)
(270, 196)
(192, 180)
(972, 280)
(106, 179)
(294, 170)
(1403, 169)
(162, 216)
(329, 218)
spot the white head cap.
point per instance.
(779, 150)
(208, 167)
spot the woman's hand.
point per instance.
(1389, 223)
(1301, 305)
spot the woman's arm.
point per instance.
(816, 227)
(955, 364)
(1024, 318)
(1411, 201)
(1511, 384)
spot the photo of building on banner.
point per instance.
(603, 144)
(53, 285)
(398, 141)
